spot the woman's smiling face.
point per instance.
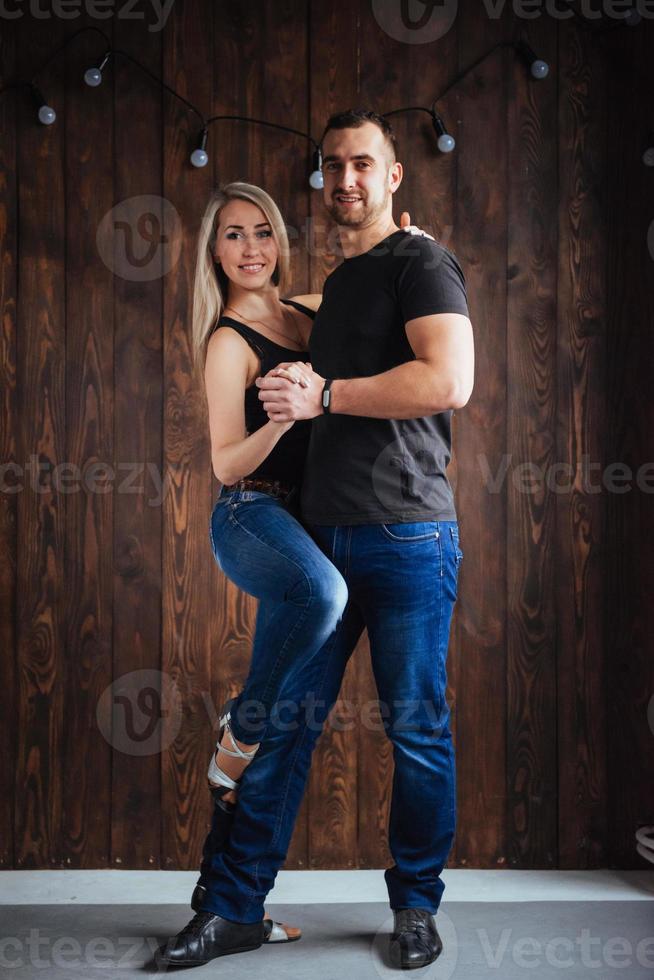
(245, 245)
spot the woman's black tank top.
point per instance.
(285, 462)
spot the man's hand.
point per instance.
(405, 225)
(290, 391)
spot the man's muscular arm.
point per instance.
(440, 378)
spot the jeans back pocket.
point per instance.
(454, 533)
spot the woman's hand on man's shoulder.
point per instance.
(405, 225)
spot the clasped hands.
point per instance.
(293, 390)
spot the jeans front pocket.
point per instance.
(221, 512)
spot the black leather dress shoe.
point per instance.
(198, 896)
(415, 941)
(207, 936)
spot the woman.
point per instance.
(241, 330)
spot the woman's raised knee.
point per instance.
(327, 591)
(333, 593)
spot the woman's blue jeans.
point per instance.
(401, 583)
(259, 544)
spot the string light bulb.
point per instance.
(93, 76)
(446, 143)
(316, 179)
(539, 69)
(46, 113)
(199, 156)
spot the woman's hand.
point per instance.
(405, 225)
(298, 372)
(291, 391)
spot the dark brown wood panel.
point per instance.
(478, 651)
(41, 370)
(579, 583)
(87, 659)
(12, 476)
(186, 599)
(140, 475)
(531, 414)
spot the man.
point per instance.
(391, 357)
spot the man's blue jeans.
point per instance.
(402, 582)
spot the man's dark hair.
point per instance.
(354, 118)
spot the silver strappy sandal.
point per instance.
(219, 782)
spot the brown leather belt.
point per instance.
(274, 487)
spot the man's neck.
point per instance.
(356, 241)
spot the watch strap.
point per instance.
(326, 396)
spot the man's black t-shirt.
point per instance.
(362, 470)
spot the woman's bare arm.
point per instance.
(234, 454)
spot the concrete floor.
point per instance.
(551, 924)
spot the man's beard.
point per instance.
(365, 215)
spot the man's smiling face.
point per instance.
(359, 175)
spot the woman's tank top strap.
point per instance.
(300, 306)
(247, 333)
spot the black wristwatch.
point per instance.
(326, 396)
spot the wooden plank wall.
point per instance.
(548, 206)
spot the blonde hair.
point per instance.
(211, 284)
